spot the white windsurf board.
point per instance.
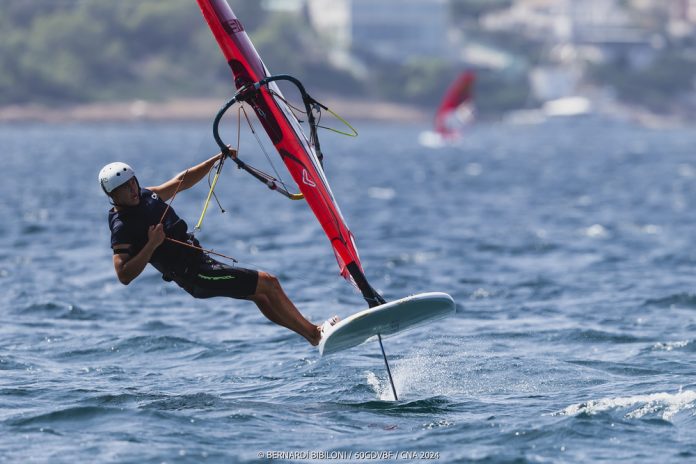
(387, 319)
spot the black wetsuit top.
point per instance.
(191, 269)
(130, 226)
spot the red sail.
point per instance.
(459, 93)
(283, 129)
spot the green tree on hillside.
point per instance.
(75, 51)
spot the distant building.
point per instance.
(588, 30)
(292, 6)
(576, 33)
(535, 19)
(394, 30)
(676, 10)
(600, 21)
(569, 21)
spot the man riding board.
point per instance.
(145, 229)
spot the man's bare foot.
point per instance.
(320, 329)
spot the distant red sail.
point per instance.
(459, 93)
(284, 131)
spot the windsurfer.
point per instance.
(145, 229)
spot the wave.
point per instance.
(123, 399)
(592, 335)
(70, 414)
(132, 345)
(671, 346)
(678, 299)
(59, 310)
(9, 364)
(618, 368)
(156, 325)
(191, 401)
(662, 405)
(150, 343)
(124, 403)
(432, 405)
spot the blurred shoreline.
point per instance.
(194, 109)
(205, 109)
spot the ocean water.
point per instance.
(570, 249)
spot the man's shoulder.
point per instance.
(117, 221)
(146, 193)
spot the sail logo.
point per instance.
(233, 26)
(306, 179)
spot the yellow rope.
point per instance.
(355, 132)
(210, 194)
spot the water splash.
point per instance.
(380, 386)
(423, 373)
(663, 405)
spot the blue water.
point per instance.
(569, 248)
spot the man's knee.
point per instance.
(268, 283)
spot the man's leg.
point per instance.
(276, 306)
(213, 278)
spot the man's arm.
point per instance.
(190, 178)
(128, 268)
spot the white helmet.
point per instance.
(114, 175)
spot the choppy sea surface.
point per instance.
(570, 249)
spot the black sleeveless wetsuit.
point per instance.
(191, 269)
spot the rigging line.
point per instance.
(263, 149)
(294, 109)
(171, 200)
(210, 186)
(217, 200)
(333, 113)
(205, 250)
(290, 105)
(269, 181)
(345, 122)
(211, 192)
(220, 163)
(312, 136)
(313, 140)
(239, 127)
(239, 131)
(285, 100)
(169, 204)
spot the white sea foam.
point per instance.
(474, 169)
(652, 229)
(669, 346)
(664, 405)
(596, 231)
(480, 294)
(381, 193)
(686, 170)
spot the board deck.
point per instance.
(387, 319)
